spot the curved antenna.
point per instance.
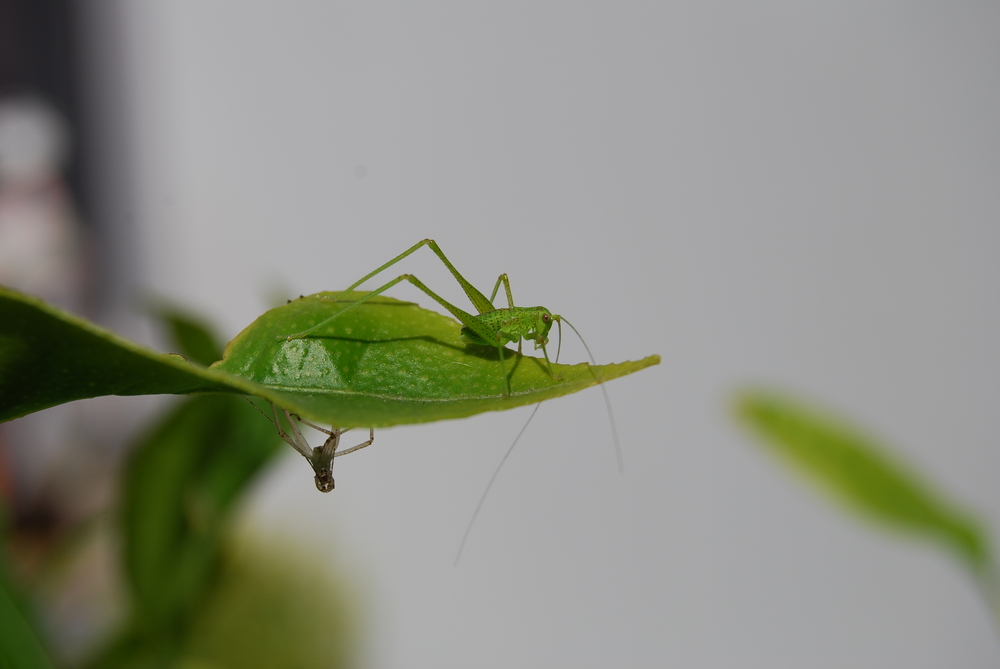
(559, 348)
(607, 401)
(489, 485)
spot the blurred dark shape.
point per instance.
(40, 239)
(38, 56)
(190, 334)
(41, 249)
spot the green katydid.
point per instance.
(490, 327)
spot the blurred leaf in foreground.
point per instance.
(181, 485)
(275, 605)
(192, 336)
(19, 645)
(48, 356)
(858, 471)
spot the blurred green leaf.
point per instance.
(276, 604)
(386, 363)
(19, 645)
(857, 470)
(191, 335)
(48, 357)
(180, 487)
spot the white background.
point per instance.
(802, 195)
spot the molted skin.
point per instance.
(320, 458)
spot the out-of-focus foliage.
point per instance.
(191, 335)
(19, 644)
(189, 581)
(274, 606)
(179, 491)
(49, 356)
(857, 470)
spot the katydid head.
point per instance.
(540, 326)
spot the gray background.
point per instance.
(804, 195)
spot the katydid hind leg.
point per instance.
(477, 298)
(475, 324)
(353, 305)
(506, 284)
(463, 316)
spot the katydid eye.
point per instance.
(546, 317)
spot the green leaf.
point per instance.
(857, 470)
(192, 335)
(389, 363)
(277, 604)
(385, 363)
(180, 485)
(48, 357)
(19, 646)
